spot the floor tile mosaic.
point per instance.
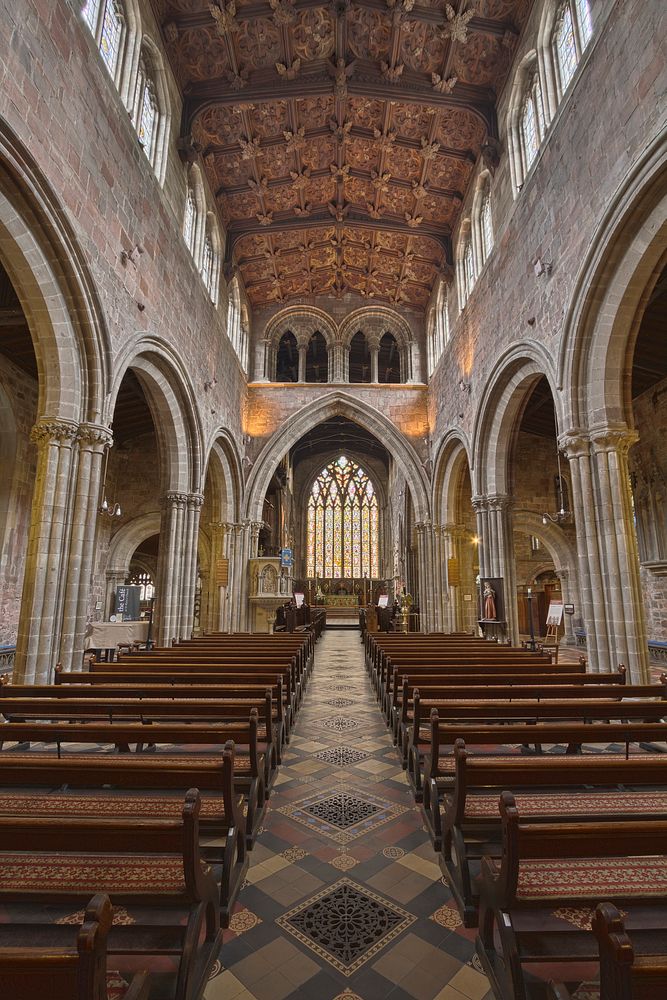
(344, 898)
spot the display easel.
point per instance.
(554, 618)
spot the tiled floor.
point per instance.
(344, 897)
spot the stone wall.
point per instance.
(18, 409)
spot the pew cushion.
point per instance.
(130, 804)
(485, 806)
(87, 874)
(592, 879)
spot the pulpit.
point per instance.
(270, 586)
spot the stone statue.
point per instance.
(489, 596)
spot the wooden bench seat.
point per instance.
(435, 767)
(624, 975)
(547, 867)
(465, 825)
(149, 711)
(132, 789)
(198, 743)
(76, 970)
(150, 867)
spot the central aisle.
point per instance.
(344, 897)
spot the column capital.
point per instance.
(608, 439)
(479, 503)
(195, 500)
(574, 443)
(95, 434)
(173, 499)
(499, 501)
(53, 430)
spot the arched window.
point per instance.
(485, 227)
(207, 261)
(106, 20)
(146, 108)
(287, 359)
(532, 125)
(466, 268)
(359, 365)
(343, 523)
(571, 33)
(210, 258)
(317, 359)
(389, 359)
(190, 220)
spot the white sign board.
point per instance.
(299, 599)
(555, 614)
(383, 600)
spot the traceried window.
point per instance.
(466, 270)
(343, 523)
(486, 227)
(105, 18)
(207, 264)
(584, 22)
(565, 48)
(146, 105)
(190, 220)
(531, 123)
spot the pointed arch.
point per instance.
(452, 453)
(332, 405)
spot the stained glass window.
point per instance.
(342, 523)
(146, 109)
(111, 31)
(486, 226)
(468, 269)
(584, 21)
(189, 220)
(532, 124)
(207, 264)
(90, 11)
(564, 46)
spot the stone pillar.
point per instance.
(494, 527)
(337, 363)
(303, 348)
(264, 366)
(229, 621)
(211, 618)
(569, 637)
(170, 567)
(91, 441)
(425, 574)
(188, 575)
(39, 628)
(375, 354)
(626, 623)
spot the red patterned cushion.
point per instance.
(579, 803)
(592, 878)
(113, 804)
(91, 873)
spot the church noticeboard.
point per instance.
(222, 572)
(453, 578)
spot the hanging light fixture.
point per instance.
(561, 516)
(107, 508)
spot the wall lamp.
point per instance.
(132, 255)
(464, 386)
(541, 267)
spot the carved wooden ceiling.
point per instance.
(339, 138)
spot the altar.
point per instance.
(341, 601)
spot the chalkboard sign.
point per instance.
(128, 603)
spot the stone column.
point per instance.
(91, 441)
(375, 354)
(188, 583)
(425, 574)
(569, 638)
(229, 621)
(212, 614)
(39, 628)
(494, 527)
(448, 550)
(337, 359)
(170, 566)
(621, 588)
(303, 348)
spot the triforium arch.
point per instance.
(303, 322)
(219, 554)
(496, 422)
(171, 401)
(454, 534)
(402, 451)
(613, 286)
(374, 322)
(49, 274)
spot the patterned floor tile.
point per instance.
(344, 898)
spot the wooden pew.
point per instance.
(544, 866)
(509, 687)
(624, 975)
(211, 678)
(249, 765)
(438, 763)
(130, 785)
(466, 825)
(75, 970)
(150, 867)
(148, 710)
